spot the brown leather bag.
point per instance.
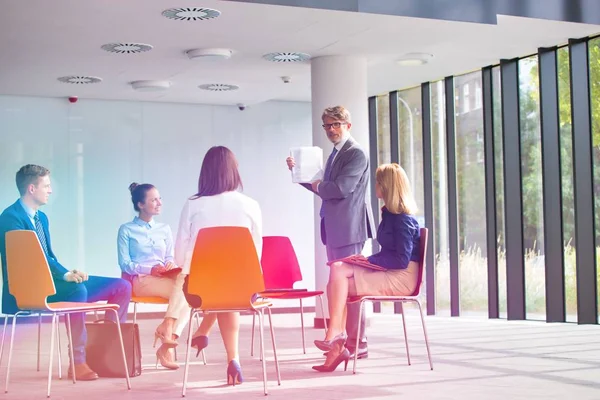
(103, 350)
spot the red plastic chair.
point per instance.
(280, 271)
(413, 298)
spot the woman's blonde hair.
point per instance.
(395, 188)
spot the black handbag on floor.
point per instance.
(103, 349)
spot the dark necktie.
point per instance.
(327, 172)
(40, 232)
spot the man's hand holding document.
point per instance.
(306, 164)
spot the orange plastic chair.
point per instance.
(225, 273)
(281, 271)
(413, 298)
(39, 343)
(152, 300)
(30, 281)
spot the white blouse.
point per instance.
(225, 209)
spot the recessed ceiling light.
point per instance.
(150, 86)
(191, 13)
(126, 48)
(209, 54)
(218, 87)
(283, 57)
(414, 59)
(79, 79)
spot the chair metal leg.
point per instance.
(186, 369)
(274, 347)
(425, 334)
(134, 312)
(405, 334)
(302, 325)
(122, 349)
(197, 319)
(54, 318)
(323, 312)
(360, 313)
(252, 340)
(261, 323)
(39, 344)
(71, 350)
(10, 350)
(59, 347)
(3, 338)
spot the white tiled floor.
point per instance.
(474, 358)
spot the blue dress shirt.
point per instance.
(399, 236)
(142, 245)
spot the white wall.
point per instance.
(96, 148)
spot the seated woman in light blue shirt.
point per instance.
(145, 252)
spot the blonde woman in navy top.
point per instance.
(146, 254)
(399, 236)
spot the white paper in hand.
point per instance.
(309, 164)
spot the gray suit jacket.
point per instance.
(347, 218)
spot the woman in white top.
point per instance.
(218, 202)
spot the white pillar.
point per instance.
(336, 80)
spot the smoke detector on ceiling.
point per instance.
(79, 79)
(150, 86)
(209, 54)
(191, 13)
(218, 87)
(126, 48)
(286, 57)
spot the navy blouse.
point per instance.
(399, 238)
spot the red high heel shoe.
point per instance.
(338, 354)
(344, 357)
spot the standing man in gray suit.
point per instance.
(346, 220)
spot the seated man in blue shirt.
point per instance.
(34, 187)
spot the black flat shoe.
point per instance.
(362, 353)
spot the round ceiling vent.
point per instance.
(79, 79)
(126, 48)
(191, 13)
(284, 57)
(218, 87)
(150, 86)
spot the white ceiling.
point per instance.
(41, 40)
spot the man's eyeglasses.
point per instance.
(334, 125)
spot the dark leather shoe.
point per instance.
(83, 373)
(362, 353)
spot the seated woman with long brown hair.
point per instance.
(399, 236)
(218, 202)
(145, 253)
